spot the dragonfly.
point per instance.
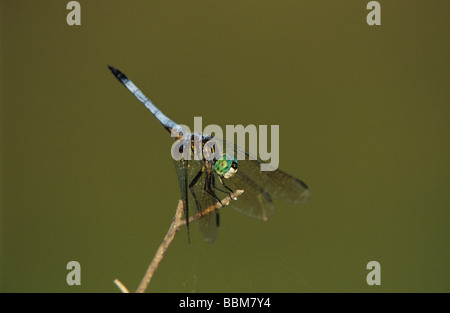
(211, 176)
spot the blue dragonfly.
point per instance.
(209, 177)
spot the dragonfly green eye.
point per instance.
(226, 166)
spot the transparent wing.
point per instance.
(276, 182)
(260, 186)
(196, 196)
(255, 201)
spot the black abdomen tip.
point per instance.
(119, 75)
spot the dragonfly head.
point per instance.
(226, 166)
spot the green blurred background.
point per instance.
(86, 173)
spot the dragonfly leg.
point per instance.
(223, 184)
(185, 195)
(229, 192)
(191, 188)
(212, 193)
(208, 182)
(228, 188)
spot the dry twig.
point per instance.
(121, 286)
(177, 222)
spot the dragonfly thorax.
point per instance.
(226, 166)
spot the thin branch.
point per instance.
(177, 222)
(162, 249)
(121, 286)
